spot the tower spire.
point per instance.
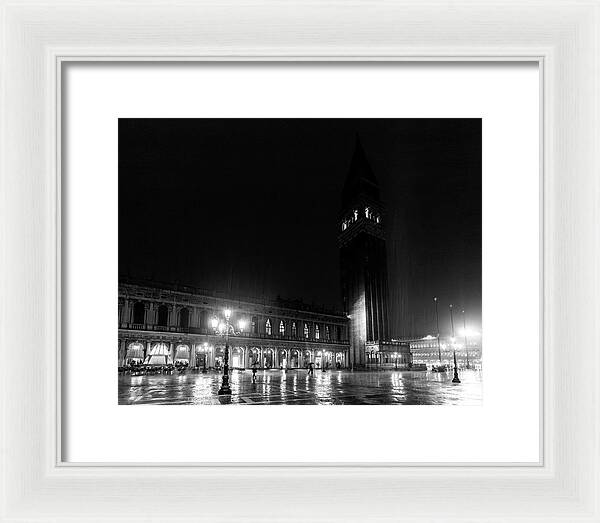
(361, 182)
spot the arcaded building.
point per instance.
(164, 324)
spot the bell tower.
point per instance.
(363, 258)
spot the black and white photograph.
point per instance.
(300, 261)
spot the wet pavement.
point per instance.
(296, 387)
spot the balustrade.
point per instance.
(243, 335)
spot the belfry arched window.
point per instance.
(268, 327)
(306, 330)
(281, 327)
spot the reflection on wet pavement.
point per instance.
(296, 387)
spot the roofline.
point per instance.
(285, 304)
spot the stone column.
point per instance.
(192, 355)
(147, 346)
(150, 314)
(172, 316)
(122, 352)
(126, 312)
(172, 351)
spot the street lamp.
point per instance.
(437, 324)
(455, 379)
(465, 333)
(223, 328)
(323, 361)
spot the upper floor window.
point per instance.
(184, 318)
(327, 336)
(268, 327)
(294, 329)
(306, 330)
(163, 315)
(254, 325)
(139, 312)
(281, 327)
(317, 332)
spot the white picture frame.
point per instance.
(38, 37)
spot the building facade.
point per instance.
(166, 324)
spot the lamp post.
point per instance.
(465, 333)
(323, 361)
(437, 325)
(223, 329)
(455, 379)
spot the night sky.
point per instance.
(251, 207)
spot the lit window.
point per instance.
(294, 329)
(317, 332)
(344, 226)
(355, 215)
(327, 332)
(367, 212)
(268, 327)
(281, 328)
(306, 330)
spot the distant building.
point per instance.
(425, 350)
